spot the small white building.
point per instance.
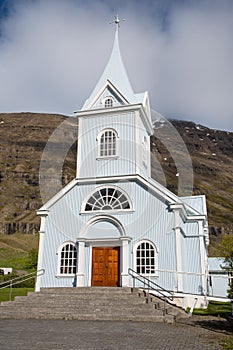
(218, 278)
(5, 270)
(113, 216)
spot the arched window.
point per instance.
(68, 259)
(108, 103)
(107, 198)
(108, 143)
(146, 259)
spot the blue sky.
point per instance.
(52, 53)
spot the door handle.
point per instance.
(106, 266)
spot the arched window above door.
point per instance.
(108, 198)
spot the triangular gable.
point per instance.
(107, 90)
(152, 185)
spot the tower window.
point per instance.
(107, 198)
(146, 258)
(144, 152)
(108, 143)
(108, 103)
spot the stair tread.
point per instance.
(89, 303)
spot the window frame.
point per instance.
(115, 189)
(108, 145)
(155, 257)
(145, 152)
(107, 100)
(73, 258)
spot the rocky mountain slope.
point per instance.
(24, 136)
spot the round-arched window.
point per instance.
(68, 259)
(108, 103)
(146, 258)
(107, 143)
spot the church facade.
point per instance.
(113, 216)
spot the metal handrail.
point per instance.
(151, 285)
(20, 279)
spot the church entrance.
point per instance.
(105, 266)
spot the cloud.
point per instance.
(53, 52)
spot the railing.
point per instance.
(150, 285)
(20, 279)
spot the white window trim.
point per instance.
(59, 274)
(156, 257)
(114, 156)
(88, 212)
(109, 98)
(145, 152)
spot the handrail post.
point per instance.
(10, 297)
(164, 310)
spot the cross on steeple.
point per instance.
(117, 21)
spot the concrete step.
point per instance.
(90, 290)
(91, 316)
(95, 303)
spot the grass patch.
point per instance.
(5, 293)
(215, 308)
(229, 344)
(14, 249)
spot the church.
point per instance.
(113, 218)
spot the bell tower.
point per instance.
(114, 125)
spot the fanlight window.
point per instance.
(68, 259)
(108, 143)
(109, 198)
(146, 258)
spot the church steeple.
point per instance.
(114, 125)
(115, 75)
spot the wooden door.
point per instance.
(105, 266)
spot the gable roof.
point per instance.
(115, 73)
(150, 185)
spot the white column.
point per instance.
(178, 251)
(203, 256)
(81, 264)
(125, 261)
(41, 252)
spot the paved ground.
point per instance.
(104, 335)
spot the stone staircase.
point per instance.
(90, 303)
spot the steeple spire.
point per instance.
(115, 73)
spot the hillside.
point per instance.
(24, 136)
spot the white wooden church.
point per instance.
(113, 216)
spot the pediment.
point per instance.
(104, 95)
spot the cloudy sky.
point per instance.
(52, 53)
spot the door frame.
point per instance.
(85, 258)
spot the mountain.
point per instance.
(176, 147)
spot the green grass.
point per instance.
(229, 344)
(14, 250)
(13, 258)
(215, 308)
(5, 293)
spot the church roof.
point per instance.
(115, 73)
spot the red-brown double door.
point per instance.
(105, 266)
